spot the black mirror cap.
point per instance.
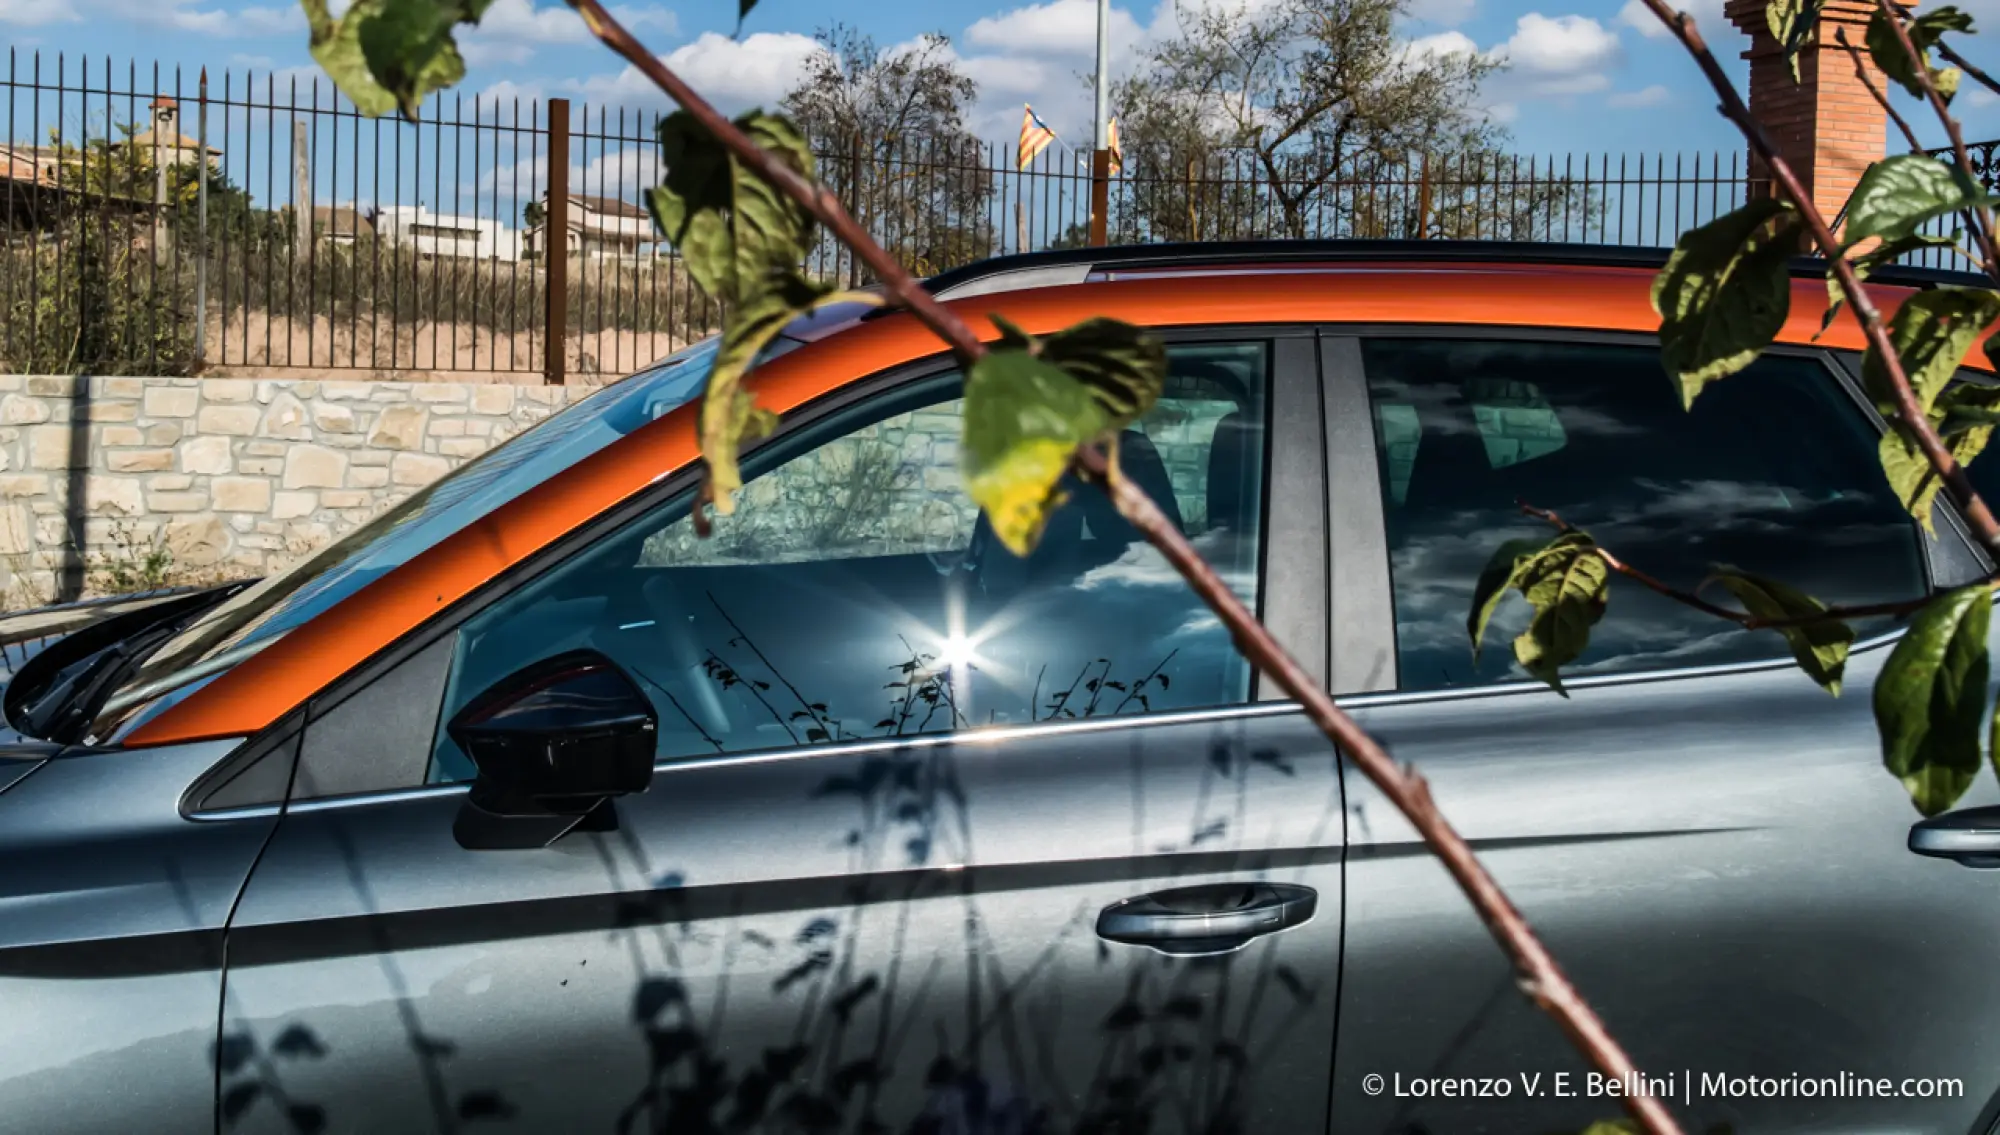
(565, 732)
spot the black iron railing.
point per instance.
(159, 223)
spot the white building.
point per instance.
(448, 234)
(601, 228)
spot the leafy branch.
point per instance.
(1728, 290)
(1749, 621)
(1724, 297)
(739, 203)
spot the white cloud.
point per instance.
(1439, 44)
(511, 30)
(35, 13)
(1655, 95)
(1444, 13)
(1559, 45)
(623, 174)
(735, 74)
(254, 22)
(1059, 26)
(485, 53)
(1707, 16)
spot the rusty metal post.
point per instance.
(555, 247)
(1424, 199)
(201, 227)
(1100, 195)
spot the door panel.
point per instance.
(112, 908)
(1719, 864)
(812, 943)
(804, 924)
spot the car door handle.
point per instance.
(1215, 918)
(1970, 835)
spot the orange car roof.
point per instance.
(266, 686)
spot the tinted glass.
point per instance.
(857, 593)
(1773, 471)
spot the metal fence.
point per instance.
(318, 240)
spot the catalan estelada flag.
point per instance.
(1035, 136)
(1117, 151)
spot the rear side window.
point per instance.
(1773, 471)
(858, 594)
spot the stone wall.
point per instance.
(180, 479)
(183, 480)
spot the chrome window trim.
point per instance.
(987, 736)
(1594, 681)
(983, 736)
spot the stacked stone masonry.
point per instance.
(222, 477)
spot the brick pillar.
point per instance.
(1827, 125)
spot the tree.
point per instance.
(1316, 106)
(888, 128)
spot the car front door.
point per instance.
(901, 775)
(1706, 840)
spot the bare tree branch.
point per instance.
(1541, 978)
(1536, 969)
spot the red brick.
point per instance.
(1828, 125)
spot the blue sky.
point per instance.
(1581, 75)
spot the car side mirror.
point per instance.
(554, 744)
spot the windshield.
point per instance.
(266, 611)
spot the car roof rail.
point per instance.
(1076, 265)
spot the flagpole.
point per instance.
(1100, 157)
(1099, 137)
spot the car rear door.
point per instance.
(859, 895)
(1705, 839)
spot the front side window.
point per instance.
(857, 593)
(1773, 471)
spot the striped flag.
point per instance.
(1035, 136)
(1117, 151)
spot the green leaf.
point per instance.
(1725, 293)
(1820, 648)
(1874, 258)
(1791, 23)
(1124, 367)
(1024, 418)
(1965, 406)
(1911, 476)
(1495, 580)
(389, 55)
(1566, 584)
(1612, 1127)
(1931, 697)
(742, 240)
(1899, 195)
(730, 416)
(732, 228)
(1931, 333)
(1925, 29)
